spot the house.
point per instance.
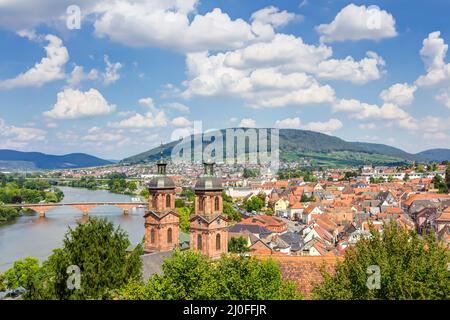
(293, 240)
(259, 247)
(424, 219)
(256, 229)
(277, 244)
(295, 211)
(358, 235)
(443, 220)
(316, 231)
(273, 224)
(280, 207)
(315, 247)
(312, 209)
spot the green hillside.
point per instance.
(320, 148)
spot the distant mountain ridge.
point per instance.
(13, 160)
(322, 149)
(436, 154)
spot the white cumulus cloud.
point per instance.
(293, 123)
(357, 23)
(401, 94)
(433, 53)
(247, 123)
(75, 104)
(50, 68)
(325, 127)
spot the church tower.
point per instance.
(208, 225)
(162, 222)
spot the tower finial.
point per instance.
(209, 167)
(161, 163)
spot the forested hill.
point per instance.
(320, 148)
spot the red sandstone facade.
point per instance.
(208, 225)
(161, 232)
(210, 237)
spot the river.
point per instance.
(33, 236)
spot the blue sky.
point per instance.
(138, 72)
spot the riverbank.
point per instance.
(30, 235)
(9, 215)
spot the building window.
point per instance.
(154, 201)
(200, 203)
(169, 235)
(152, 236)
(199, 242)
(218, 241)
(168, 201)
(216, 203)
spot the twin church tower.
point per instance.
(208, 224)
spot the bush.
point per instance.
(410, 268)
(191, 276)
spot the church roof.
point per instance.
(209, 218)
(161, 182)
(162, 214)
(208, 181)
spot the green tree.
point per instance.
(144, 193)
(188, 194)
(406, 177)
(100, 251)
(251, 173)
(51, 197)
(179, 203)
(439, 183)
(350, 174)
(226, 197)
(305, 198)
(447, 175)
(184, 213)
(21, 274)
(232, 214)
(433, 167)
(131, 186)
(254, 204)
(7, 213)
(238, 245)
(411, 267)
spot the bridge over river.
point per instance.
(84, 207)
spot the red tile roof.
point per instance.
(304, 270)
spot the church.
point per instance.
(208, 224)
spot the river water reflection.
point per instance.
(37, 237)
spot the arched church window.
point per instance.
(168, 201)
(154, 201)
(216, 204)
(199, 242)
(152, 236)
(218, 241)
(201, 204)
